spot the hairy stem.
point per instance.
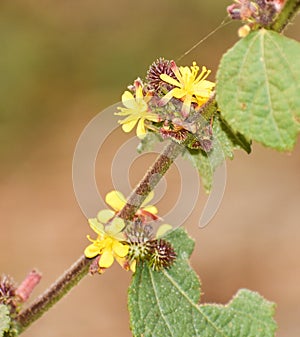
(81, 267)
(150, 180)
(54, 293)
(286, 15)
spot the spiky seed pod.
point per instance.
(160, 66)
(139, 251)
(138, 232)
(162, 255)
(8, 292)
(138, 236)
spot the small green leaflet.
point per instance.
(4, 319)
(258, 85)
(165, 304)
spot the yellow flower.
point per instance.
(117, 201)
(111, 243)
(137, 110)
(108, 243)
(188, 87)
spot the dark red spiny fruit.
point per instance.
(160, 66)
(162, 255)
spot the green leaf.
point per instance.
(228, 139)
(165, 304)
(4, 319)
(258, 85)
(200, 160)
(225, 141)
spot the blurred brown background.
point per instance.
(63, 61)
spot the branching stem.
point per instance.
(81, 267)
(54, 293)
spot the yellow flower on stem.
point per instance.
(189, 86)
(109, 243)
(137, 110)
(117, 201)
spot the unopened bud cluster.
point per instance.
(255, 13)
(12, 295)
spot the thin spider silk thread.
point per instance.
(221, 25)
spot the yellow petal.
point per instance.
(152, 117)
(177, 71)
(164, 100)
(178, 93)
(162, 230)
(141, 130)
(186, 106)
(201, 101)
(204, 88)
(96, 226)
(127, 127)
(91, 251)
(120, 236)
(118, 224)
(170, 80)
(128, 100)
(123, 112)
(106, 259)
(115, 200)
(105, 215)
(148, 97)
(151, 209)
(120, 249)
(123, 262)
(133, 115)
(133, 266)
(149, 197)
(139, 93)
(115, 227)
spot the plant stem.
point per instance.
(286, 15)
(81, 267)
(54, 293)
(150, 180)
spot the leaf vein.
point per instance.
(198, 308)
(158, 304)
(267, 86)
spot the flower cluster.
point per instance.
(167, 101)
(12, 295)
(256, 13)
(8, 292)
(131, 242)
